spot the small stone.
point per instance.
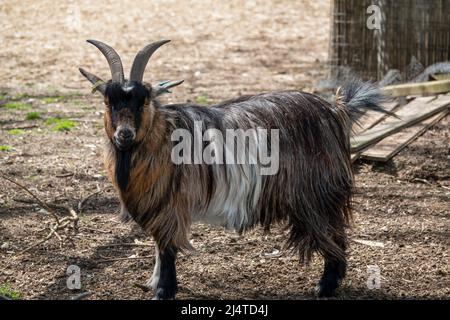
(43, 211)
(4, 246)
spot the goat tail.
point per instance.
(357, 96)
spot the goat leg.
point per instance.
(167, 285)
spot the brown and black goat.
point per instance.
(310, 192)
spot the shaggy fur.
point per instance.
(310, 194)
(311, 191)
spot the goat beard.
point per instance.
(123, 167)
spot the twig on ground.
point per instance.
(143, 287)
(125, 245)
(422, 181)
(29, 126)
(240, 243)
(65, 175)
(369, 243)
(41, 203)
(83, 201)
(125, 258)
(58, 225)
(274, 254)
(96, 230)
(81, 296)
(23, 200)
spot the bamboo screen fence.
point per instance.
(408, 28)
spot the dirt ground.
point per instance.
(221, 50)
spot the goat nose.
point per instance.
(126, 134)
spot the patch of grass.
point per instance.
(52, 99)
(5, 148)
(33, 115)
(51, 121)
(7, 291)
(2, 96)
(17, 105)
(16, 132)
(61, 124)
(21, 96)
(202, 99)
(65, 125)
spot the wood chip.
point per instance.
(370, 243)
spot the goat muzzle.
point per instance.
(124, 138)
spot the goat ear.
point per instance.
(98, 84)
(164, 86)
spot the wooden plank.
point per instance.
(423, 88)
(371, 118)
(390, 146)
(415, 111)
(441, 76)
(355, 156)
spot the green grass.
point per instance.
(16, 132)
(52, 99)
(33, 115)
(202, 99)
(5, 148)
(51, 121)
(21, 96)
(6, 291)
(2, 97)
(17, 105)
(61, 124)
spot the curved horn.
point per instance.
(164, 86)
(98, 84)
(141, 60)
(115, 64)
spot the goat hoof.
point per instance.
(165, 293)
(326, 289)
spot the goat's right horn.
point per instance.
(115, 64)
(141, 60)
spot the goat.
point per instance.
(310, 193)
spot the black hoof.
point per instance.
(326, 289)
(165, 293)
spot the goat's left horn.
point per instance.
(98, 84)
(164, 86)
(115, 64)
(141, 60)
